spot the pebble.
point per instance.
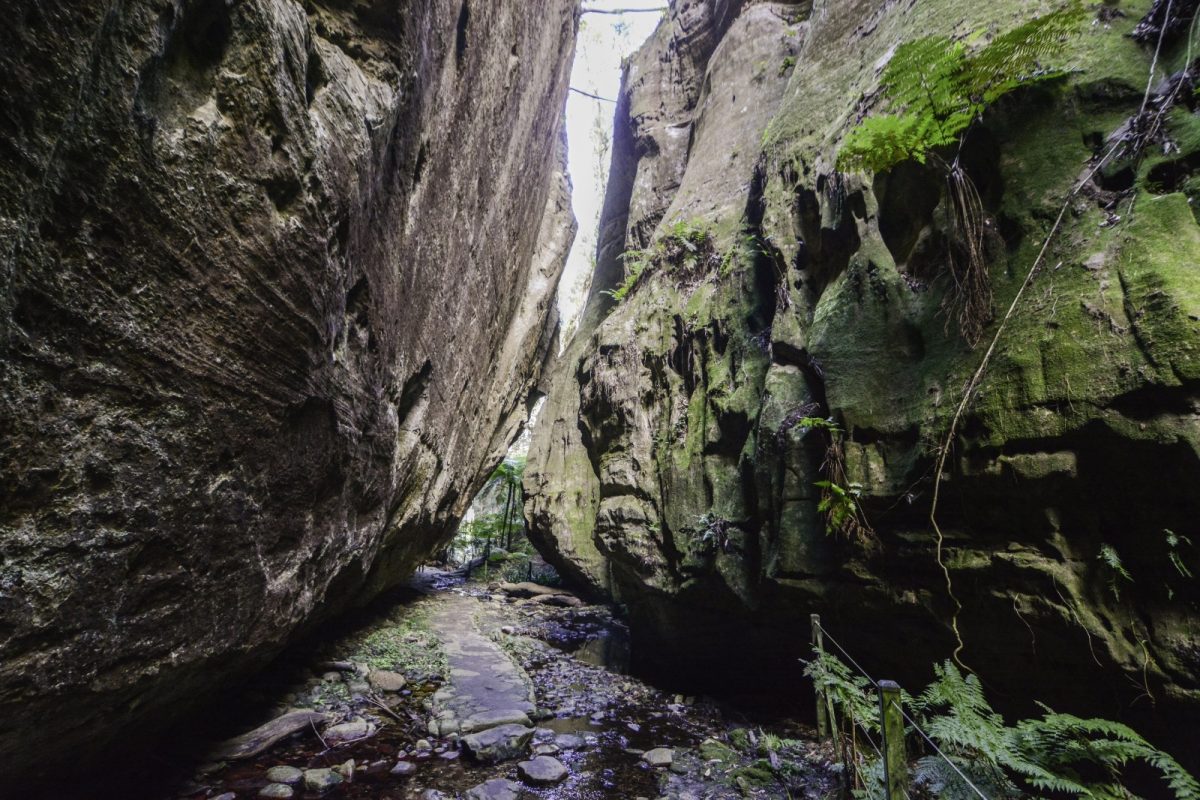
(276, 790)
(284, 774)
(346, 769)
(659, 757)
(450, 755)
(404, 768)
(319, 781)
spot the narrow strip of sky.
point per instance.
(604, 40)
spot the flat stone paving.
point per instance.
(485, 688)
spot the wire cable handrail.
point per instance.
(903, 713)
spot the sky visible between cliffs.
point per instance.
(604, 40)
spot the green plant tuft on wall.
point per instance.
(939, 87)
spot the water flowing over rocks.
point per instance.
(674, 467)
(278, 278)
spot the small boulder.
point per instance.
(498, 744)
(348, 732)
(404, 769)
(569, 741)
(542, 771)
(320, 781)
(490, 719)
(284, 774)
(659, 757)
(496, 789)
(386, 681)
(276, 790)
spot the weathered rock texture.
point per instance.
(278, 277)
(670, 469)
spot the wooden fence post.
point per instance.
(895, 756)
(818, 643)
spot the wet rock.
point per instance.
(490, 719)
(386, 681)
(276, 790)
(450, 755)
(284, 774)
(348, 732)
(545, 749)
(433, 794)
(570, 741)
(226, 796)
(498, 744)
(542, 771)
(404, 769)
(346, 769)
(423, 746)
(496, 789)
(319, 781)
(659, 757)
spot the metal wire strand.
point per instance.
(903, 713)
(944, 757)
(849, 657)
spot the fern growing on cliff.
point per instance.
(938, 88)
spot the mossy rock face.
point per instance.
(831, 301)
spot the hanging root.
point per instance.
(969, 302)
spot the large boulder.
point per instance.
(278, 278)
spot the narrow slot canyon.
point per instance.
(589, 399)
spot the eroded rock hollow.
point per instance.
(676, 466)
(278, 278)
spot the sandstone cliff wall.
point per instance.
(669, 471)
(278, 278)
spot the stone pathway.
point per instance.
(486, 689)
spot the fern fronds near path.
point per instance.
(1059, 754)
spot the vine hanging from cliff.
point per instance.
(939, 88)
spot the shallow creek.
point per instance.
(472, 656)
